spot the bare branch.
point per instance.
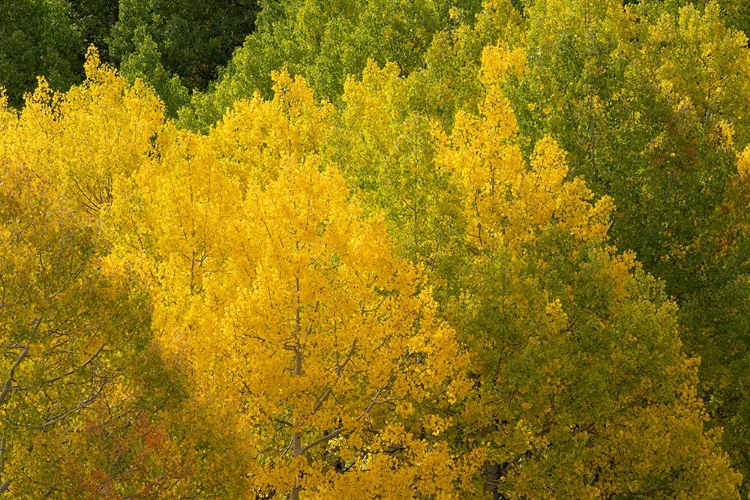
(322, 399)
(372, 403)
(9, 383)
(71, 372)
(364, 310)
(352, 350)
(80, 406)
(323, 439)
(339, 369)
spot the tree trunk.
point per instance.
(491, 478)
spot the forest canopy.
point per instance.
(374, 249)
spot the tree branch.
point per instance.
(71, 372)
(9, 383)
(323, 439)
(339, 369)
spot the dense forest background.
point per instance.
(375, 249)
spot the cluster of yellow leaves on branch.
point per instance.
(289, 350)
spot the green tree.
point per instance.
(325, 41)
(193, 39)
(450, 80)
(734, 13)
(37, 39)
(388, 152)
(575, 350)
(145, 63)
(650, 101)
(579, 369)
(95, 20)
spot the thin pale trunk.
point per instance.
(297, 436)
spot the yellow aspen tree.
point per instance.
(341, 359)
(582, 388)
(86, 137)
(92, 407)
(298, 325)
(282, 130)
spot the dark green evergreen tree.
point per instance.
(37, 39)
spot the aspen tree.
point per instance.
(583, 390)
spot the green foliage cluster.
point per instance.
(37, 39)
(327, 41)
(650, 102)
(194, 38)
(174, 46)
